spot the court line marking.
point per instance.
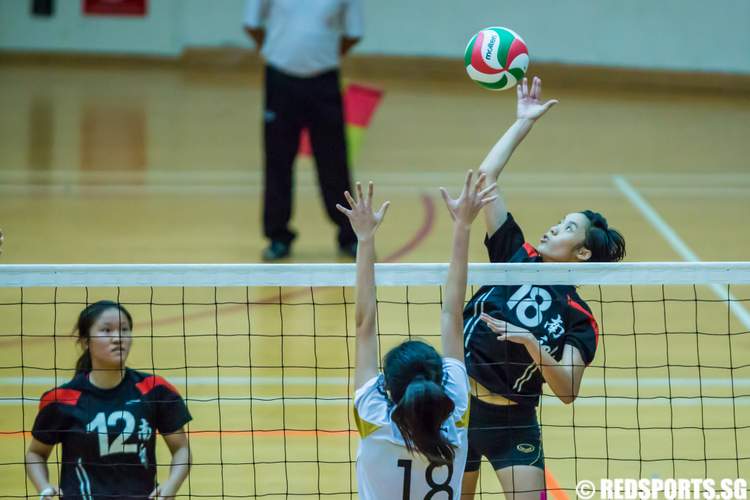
(229, 380)
(239, 190)
(553, 486)
(423, 231)
(244, 190)
(421, 234)
(558, 172)
(547, 401)
(242, 182)
(224, 433)
(677, 243)
(185, 177)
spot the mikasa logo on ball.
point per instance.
(490, 46)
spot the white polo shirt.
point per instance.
(303, 37)
(385, 468)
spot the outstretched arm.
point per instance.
(530, 108)
(463, 211)
(365, 223)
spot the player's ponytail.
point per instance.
(86, 320)
(605, 243)
(83, 365)
(413, 376)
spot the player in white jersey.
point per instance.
(413, 417)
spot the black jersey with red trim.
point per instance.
(108, 436)
(556, 315)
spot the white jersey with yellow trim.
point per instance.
(385, 468)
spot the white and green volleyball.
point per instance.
(496, 58)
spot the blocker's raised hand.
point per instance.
(473, 197)
(363, 220)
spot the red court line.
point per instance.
(554, 487)
(424, 230)
(215, 434)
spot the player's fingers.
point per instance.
(48, 493)
(486, 317)
(494, 324)
(538, 82)
(519, 91)
(550, 103)
(484, 192)
(480, 182)
(535, 88)
(515, 329)
(359, 192)
(487, 200)
(369, 193)
(349, 199)
(383, 209)
(447, 200)
(525, 87)
(343, 210)
(467, 184)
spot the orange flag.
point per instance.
(360, 103)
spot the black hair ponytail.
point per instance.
(605, 243)
(419, 416)
(83, 365)
(413, 374)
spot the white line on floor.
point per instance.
(674, 240)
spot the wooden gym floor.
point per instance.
(131, 163)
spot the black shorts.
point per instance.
(505, 435)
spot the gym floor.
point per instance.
(141, 163)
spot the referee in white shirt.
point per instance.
(302, 43)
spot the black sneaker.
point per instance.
(276, 250)
(349, 250)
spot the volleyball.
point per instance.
(496, 58)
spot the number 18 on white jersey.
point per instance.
(385, 468)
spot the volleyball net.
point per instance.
(264, 356)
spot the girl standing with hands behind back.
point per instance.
(106, 419)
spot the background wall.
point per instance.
(666, 34)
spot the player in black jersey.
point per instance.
(518, 337)
(106, 419)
